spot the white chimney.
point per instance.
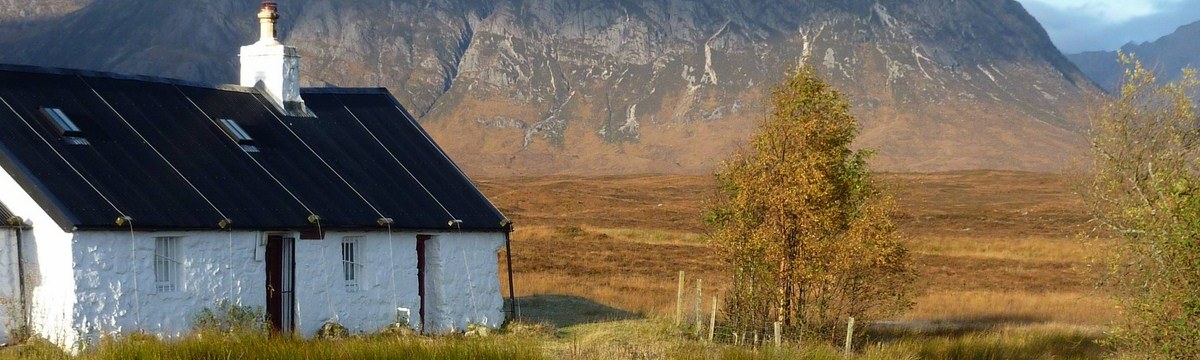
(275, 65)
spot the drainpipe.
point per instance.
(513, 307)
(22, 298)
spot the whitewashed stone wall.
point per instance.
(115, 282)
(10, 311)
(462, 281)
(48, 267)
(387, 280)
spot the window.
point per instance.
(238, 134)
(64, 126)
(61, 121)
(167, 266)
(350, 267)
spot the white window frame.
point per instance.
(168, 266)
(351, 268)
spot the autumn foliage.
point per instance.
(1144, 191)
(805, 230)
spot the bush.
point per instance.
(229, 317)
(332, 331)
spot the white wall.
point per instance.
(462, 286)
(320, 287)
(10, 299)
(463, 281)
(48, 266)
(114, 273)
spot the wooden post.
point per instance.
(699, 301)
(778, 334)
(679, 301)
(849, 336)
(712, 320)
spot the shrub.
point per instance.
(229, 317)
(332, 331)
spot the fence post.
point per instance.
(778, 334)
(679, 301)
(712, 320)
(849, 336)
(699, 312)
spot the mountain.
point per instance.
(1168, 56)
(616, 86)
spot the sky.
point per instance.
(1086, 25)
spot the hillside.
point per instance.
(607, 86)
(1168, 56)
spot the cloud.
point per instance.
(1085, 25)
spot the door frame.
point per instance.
(422, 275)
(280, 285)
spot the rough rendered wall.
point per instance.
(9, 293)
(321, 289)
(462, 281)
(116, 285)
(48, 267)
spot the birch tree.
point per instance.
(804, 228)
(1144, 191)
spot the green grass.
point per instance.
(628, 339)
(261, 347)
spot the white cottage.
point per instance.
(132, 203)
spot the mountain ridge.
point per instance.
(1167, 56)
(611, 87)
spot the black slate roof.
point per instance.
(157, 153)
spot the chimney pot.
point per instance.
(268, 15)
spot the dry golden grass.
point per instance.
(993, 248)
(1016, 308)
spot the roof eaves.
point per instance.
(35, 189)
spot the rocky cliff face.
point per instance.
(612, 86)
(1168, 56)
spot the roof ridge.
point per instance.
(173, 81)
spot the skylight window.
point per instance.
(238, 134)
(61, 122)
